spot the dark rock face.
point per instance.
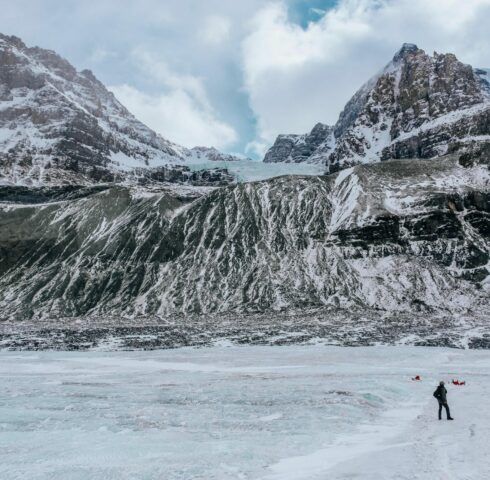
(396, 236)
(463, 135)
(419, 106)
(282, 148)
(183, 175)
(300, 148)
(59, 126)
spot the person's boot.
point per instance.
(450, 418)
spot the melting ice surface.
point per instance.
(276, 413)
(250, 170)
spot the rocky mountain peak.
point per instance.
(300, 148)
(12, 40)
(61, 126)
(210, 153)
(406, 50)
(418, 106)
(320, 129)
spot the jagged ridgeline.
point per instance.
(378, 232)
(418, 106)
(59, 126)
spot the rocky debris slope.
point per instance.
(60, 126)
(395, 236)
(302, 148)
(357, 327)
(180, 174)
(418, 106)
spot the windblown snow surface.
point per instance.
(268, 413)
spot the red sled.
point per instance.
(458, 383)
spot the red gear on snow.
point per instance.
(458, 383)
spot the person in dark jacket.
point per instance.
(441, 395)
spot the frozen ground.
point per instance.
(270, 413)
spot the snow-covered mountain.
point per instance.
(61, 126)
(401, 235)
(211, 154)
(309, 147)
(418, 106)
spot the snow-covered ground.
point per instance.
(271, 413)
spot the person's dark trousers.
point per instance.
(446, 406)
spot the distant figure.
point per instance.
(441, 395)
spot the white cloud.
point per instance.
(297, 76)
(216, 29)
(100, 55)
(318, 11)
(257, 148)
(179, 109)
(177, 116)
(158, 70)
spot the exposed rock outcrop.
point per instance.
(302, 148)
(418, 106)
(60, 126)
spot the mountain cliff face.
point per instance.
(60, 126)
(418, 106)
(302, 148)
(397, 236)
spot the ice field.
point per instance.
(251, 412)
(251, 171)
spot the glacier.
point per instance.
(247, 412)
(252, 171)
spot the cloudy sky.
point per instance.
(235, 73)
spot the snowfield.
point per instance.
(271, 413)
